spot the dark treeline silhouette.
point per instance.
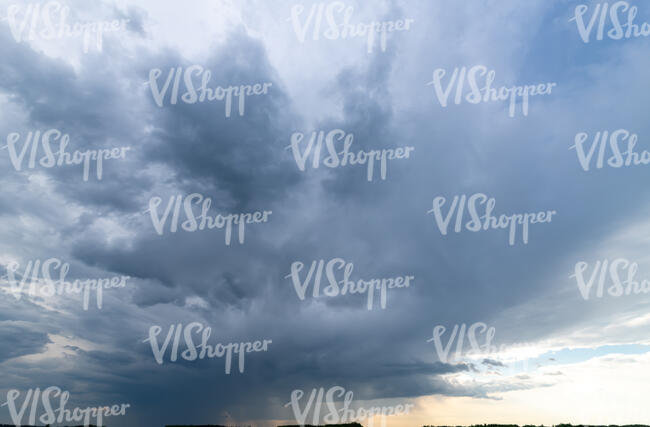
(292, 425)
(201, 425)
(359, 425)
(556, 425)
(326, 425)
(25, 425)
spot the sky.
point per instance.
(554, 355)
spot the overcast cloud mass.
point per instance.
(559, 352)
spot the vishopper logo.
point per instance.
(604, 142)
(48, 21)
(344, 157)
(480, 338)
(345, 414)
(486, 221)
(344, 286)
(44, 286)
(614, 15)
(205, 220)
(200, 92)
(459, 334)
(60, 157)
(202, 350)
(339, 27)
(60, 414)
(478, 75)
(620, 272)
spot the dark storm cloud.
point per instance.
(19, 340)
(241, 291)
(64, 102)
(237, 158)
